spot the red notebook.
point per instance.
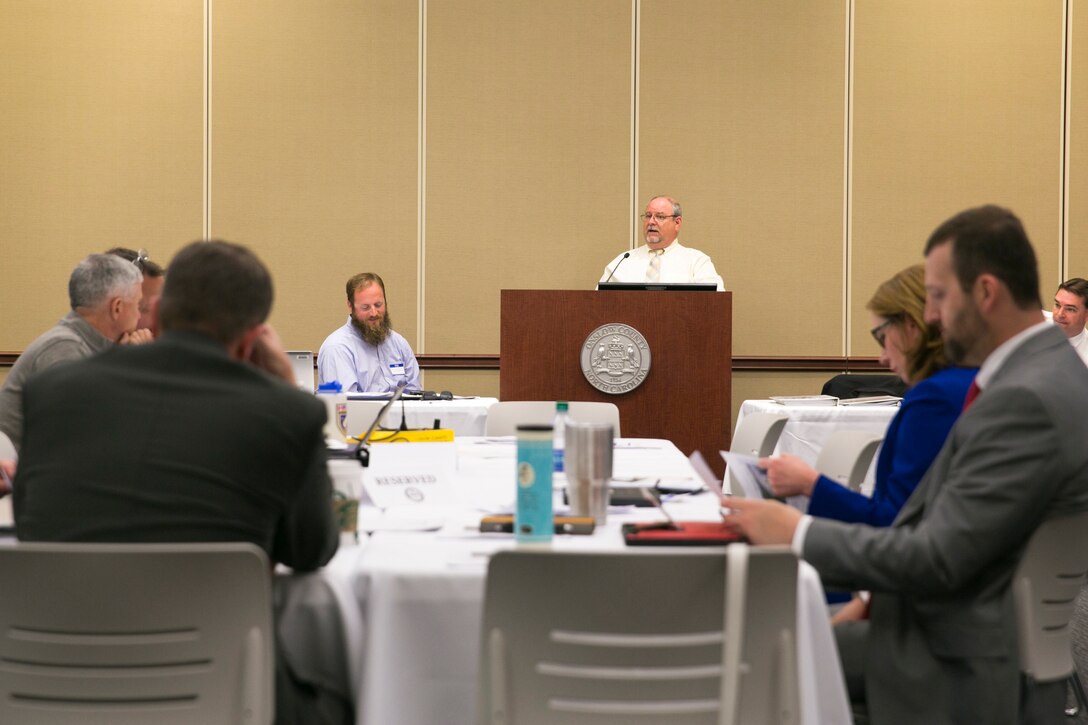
(688, 533)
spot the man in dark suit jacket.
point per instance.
(186, 439)
(940, 644)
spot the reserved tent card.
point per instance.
(411, 474)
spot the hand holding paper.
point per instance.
(747, 472)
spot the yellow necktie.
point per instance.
(653, 272)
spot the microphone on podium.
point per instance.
(625, 256)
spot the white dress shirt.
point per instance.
(679, 264)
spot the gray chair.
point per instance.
(504, 417)
(1045, 587)
(846, 456)
(756, 435)
(135, 633)
(652, 637)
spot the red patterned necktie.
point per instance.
(972, 393)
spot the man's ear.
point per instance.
(986, 291)
(114, 307)
(242, 348)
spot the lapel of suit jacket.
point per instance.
(929, 486)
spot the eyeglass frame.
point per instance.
(646, 216)
(879, 333)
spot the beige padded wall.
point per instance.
(955, 105)
(101, 127)
(314, 118)
(1077, 240)
(758, 385)
(741, 118)
(528, 156)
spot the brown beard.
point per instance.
(373, 335)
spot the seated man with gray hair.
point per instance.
(105, 293)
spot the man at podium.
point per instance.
(662, 258)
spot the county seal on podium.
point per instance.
(615, 358)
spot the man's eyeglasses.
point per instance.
(880, 332)
(657, 217)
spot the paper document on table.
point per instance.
(706, 473)
(746, 471)
(872, 400)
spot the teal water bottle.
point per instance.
(533, 513)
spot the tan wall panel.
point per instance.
(528, 156)
(955, 105)
(761, 385)
(1077, 241)
(741, 118)
(314, 161)
(101, 128)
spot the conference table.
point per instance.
(410, 593)
(810, 426)
(465, 416)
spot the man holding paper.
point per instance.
(940, 644)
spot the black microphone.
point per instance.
(403, 417)
(625, 256)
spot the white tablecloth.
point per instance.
(810, 426)
(464, 416)
(413, 628)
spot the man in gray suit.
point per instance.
(940, 643)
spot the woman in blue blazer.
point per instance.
(915, 352)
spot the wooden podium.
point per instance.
(685, 395)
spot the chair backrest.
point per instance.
(861, 385)
(846, 456)
(504, 417)
(135, 633)
(1045, 586)
(590, 637)
(756, 435)
(361, 413)
(761, 637)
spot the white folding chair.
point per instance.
(846, 456)
(505, 416)
(656, 637)
(756, 435)
(135, 633)
(1045, 586)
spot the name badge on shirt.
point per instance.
(397, 369)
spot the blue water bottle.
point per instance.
(533, 515)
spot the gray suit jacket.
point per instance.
(941, 644)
